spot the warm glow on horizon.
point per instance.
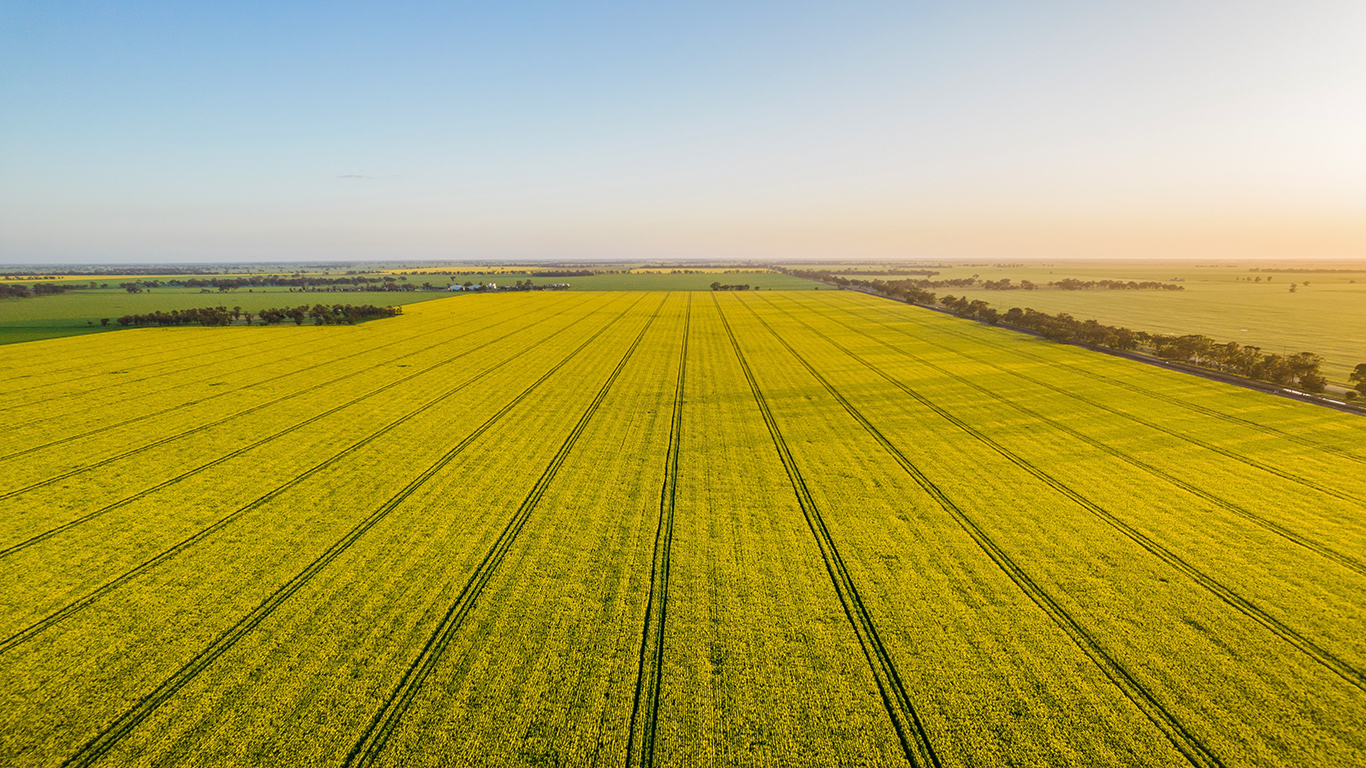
(1198, 130)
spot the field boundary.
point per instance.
(911, 732)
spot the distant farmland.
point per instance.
(673, 529)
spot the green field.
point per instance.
(672, 529)
(78, 313)
(1324, 317)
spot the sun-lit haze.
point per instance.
(190, 132)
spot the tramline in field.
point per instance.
(668, 529)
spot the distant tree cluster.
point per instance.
(345, 314)
(225, 284)
(1299, 369)
(320, 314)
(528, 285)
(1303, 269)
(906, 290)
(565, 273)
(718, 286)
(921, 288)
(1066, 284)
(897, 271)
(1358, 380)
(193, 316)
(9, 291)
(1071, 284)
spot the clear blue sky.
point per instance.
(193, 131)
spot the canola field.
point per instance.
(668, 529)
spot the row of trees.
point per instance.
(13, 291)
(718, 286)
(898, 271)
(913, 288)
(1066, 284)
(1072, 284)
(1301, 371)
(320, 314)
(224, 284)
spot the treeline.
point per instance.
(1065, 284)
(109, 271)
(320, 314)
(10, 291)
(895, 271)
(1301, 370)
(224, 284)
(915, 289)
(718, 286)
(1071, 284)
(905, 290)
(563, 273)
(1304, 269)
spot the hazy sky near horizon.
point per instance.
(136, 131)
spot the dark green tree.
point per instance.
(1358, 378)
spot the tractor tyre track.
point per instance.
(83, 407)
(109, 737)
(640, 747)
(239, 451)
(1181, 738)
(1340, 558)
(195, 430)
(371, 744)
(1175, 401)
(1343, 669)
(236, 390)
(218, 351)
(76, 606)
(911, 732)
